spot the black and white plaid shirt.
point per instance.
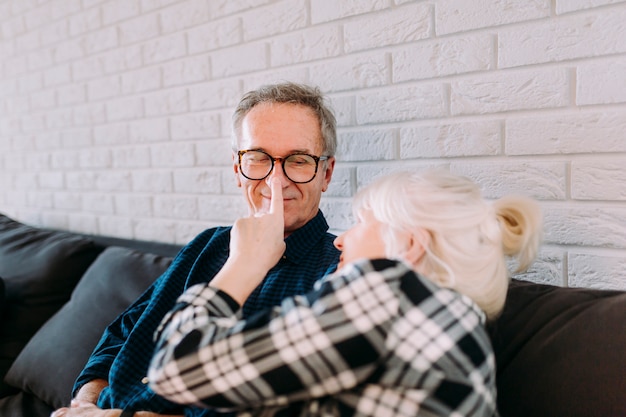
(373, 339)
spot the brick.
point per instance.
(40, 60)
(539, 180)
(30, 82)
(439, 140)
(54, 33)
(570, 133)
(510, 90)
(601, 227)
(87, 68)
(64, 160)
(155, 230)
(352, 72)
(113, 181)
(219, 8)
(173, 155)
(48, 140)
(176, 207)
(29, 41)
(76, 138)
(452, 16)
(226, 62)
(152, 181)
(183, 15)
(138, 81)
(306, 45)
(215, 95)
(338, 214)
(112, 134)
(166, 102)
(548, 268)
(597, 271)
(114, 11)
(344, 108)
(254, 80)
(35, 17)
(95, 158)
(69, 50)
(367, 145)
(578, 36)
(33, 123)
(600, 179)
(15, 66)
(280, 17)
(147, 5)
(430, 59)
(328, 10)
(71, 94)
(37, 162)
(81, 180)
(602, 82)
(390, 27)
(566, 6)
(133, 205)
(131, 157)
(89, 114)
(365, 174)
(198, 180)
(86, 21)
(195, 126)
(149, 130)
(127, 58)
(57, 75)
(213, 152)
(44, 99)
(215, 34)
(341, 184)
(60, 9)
(61, 118)
(67, 201)
(164, 49)
(101, 40)
(51, 180)
(104, 88)
(139, 29)
(98, 203)
(115, 226)
(401, 103)
(125, 109)
(13, 27)
(223, 209)
(187, 71)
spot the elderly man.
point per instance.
(283, 133)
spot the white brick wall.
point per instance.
(115, 114)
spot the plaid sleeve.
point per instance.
(311, 346)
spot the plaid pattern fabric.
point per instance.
(124, 351)
(374, 339)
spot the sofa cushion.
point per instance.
(63, 345)
(560, 352)
(40, 269)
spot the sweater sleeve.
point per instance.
(310, 346)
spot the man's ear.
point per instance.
(418, 242)
(328, 172)
(235, 158)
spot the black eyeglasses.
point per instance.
(298, 167)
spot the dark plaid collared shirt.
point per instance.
(374, 339)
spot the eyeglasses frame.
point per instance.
(282, 160)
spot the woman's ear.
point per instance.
(418, 242)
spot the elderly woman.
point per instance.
(397, 330)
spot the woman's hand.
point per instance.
(257, 243)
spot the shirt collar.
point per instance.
(302, 240)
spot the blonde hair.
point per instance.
(469, 238)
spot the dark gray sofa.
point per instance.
(559, 351)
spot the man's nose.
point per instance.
(279, 173)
